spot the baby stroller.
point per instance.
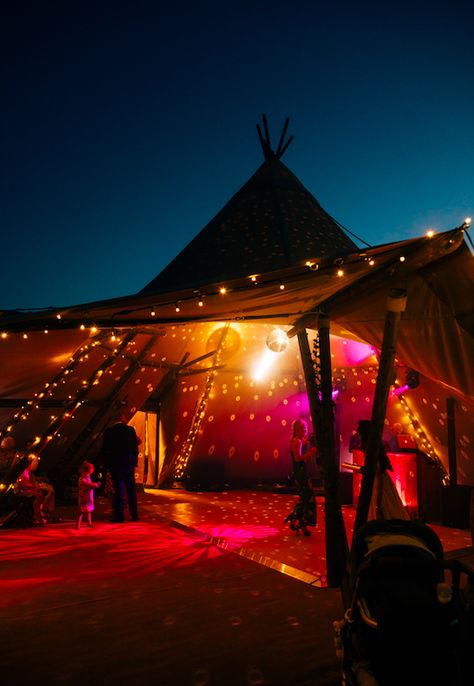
(405, 623)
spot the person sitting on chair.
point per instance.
(26, 486)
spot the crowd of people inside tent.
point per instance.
(119, 457)
(121, 440)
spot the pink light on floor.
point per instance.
(239, 535)
(92, 556)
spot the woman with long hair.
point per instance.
(304, 512)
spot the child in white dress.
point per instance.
(85, 493)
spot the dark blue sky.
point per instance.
(126, 126)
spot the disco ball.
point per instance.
(277, 341)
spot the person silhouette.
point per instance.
(120, 457)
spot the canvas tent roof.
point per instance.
(271, 223)
(437, 329)
(288, 270)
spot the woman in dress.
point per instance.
(304, 512)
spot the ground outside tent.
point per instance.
(207, 588)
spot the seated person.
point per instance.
(26, 486)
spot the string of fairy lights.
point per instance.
(73, 401)
(97, 335)
(336, 267)
(421, 436)
(198, 417)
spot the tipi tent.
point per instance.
(200, 348)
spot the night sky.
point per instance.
(126, 126)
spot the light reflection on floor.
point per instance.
(251, 522)
(178, 528)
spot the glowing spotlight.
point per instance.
(263, 365)
(430, 233)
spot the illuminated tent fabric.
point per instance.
(62, 385)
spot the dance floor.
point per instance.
(252, 524)
(206, 589)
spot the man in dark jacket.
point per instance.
(120, 457)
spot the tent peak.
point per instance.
(265, 142)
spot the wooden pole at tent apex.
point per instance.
(322, 416)
(396, 304)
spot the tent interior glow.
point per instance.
(223, 380)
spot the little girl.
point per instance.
(85, 493)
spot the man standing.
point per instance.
(120, 456)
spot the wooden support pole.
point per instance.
(322, 417)
(395, 306)
(336, 538)
(310, 381)
(452, 461)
